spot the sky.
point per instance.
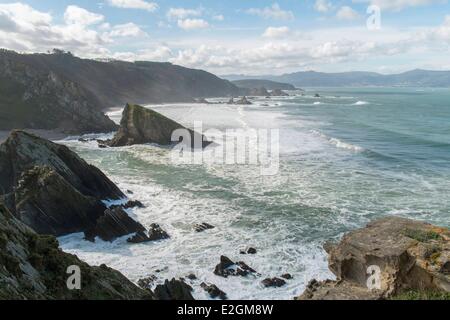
(252, 37)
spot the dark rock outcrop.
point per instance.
(258, 83)
(213, 291)
(140, 125)
(203, 227)
(227, 267)
(409, 255)
(174, 290)
(273, 282)
(32, 267)
(155, 233)
(249, 250)
(243, 101)
(53, 191)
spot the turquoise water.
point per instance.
(345, 158)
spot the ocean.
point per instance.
(346, 158)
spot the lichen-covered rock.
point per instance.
(140, 125)
(33, 267)
(409, 255)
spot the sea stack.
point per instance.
(140, 125)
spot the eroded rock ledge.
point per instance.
(412, 256)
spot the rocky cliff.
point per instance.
(394, 257)
(53, 191)
(32, 267)
(37, 98)
(141, 125)
(60, 91)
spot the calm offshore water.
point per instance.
(346, 158)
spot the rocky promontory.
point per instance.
(140, 125)
(53, 191)
(390, 258)
(32, 267)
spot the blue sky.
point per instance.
(245, 37)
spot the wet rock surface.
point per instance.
(203, 227)
(140, 125)
(213, 291)
(227, 267)
(273, 282)
(174, 290)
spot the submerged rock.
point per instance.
(391, 255)
(273, 282)
(154, 234)
(114, 223)
(249, 250)
(174, 290)
(213, 291)
(140, 125)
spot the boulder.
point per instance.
(174, 290)
(32, 267)
(287, 276)
(154, 234)
(249, 250)
(391, 255)
(273, 282)
(140, 125)
(213, 291)
(243, 101)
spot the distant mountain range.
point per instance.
(414, 78)
(269, 85)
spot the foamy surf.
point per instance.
(361, 103)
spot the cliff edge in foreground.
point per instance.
(396, 257)
(33, 267)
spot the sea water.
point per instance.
(346, 158)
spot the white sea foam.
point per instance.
(337, 142)
(361, 103)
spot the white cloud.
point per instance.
(80, 16)
(134, 4)
(190, 24)
(398, 5)
(276, 32)
(322, 6)
(182, 13)
(126, 30)
(273, 12)
(218, 17)
(347, 13)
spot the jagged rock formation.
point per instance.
(32, 267)
(63, 92)
(243, 101)
(53, 191)
(174, 290)
(140, 125)
(410, 255)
